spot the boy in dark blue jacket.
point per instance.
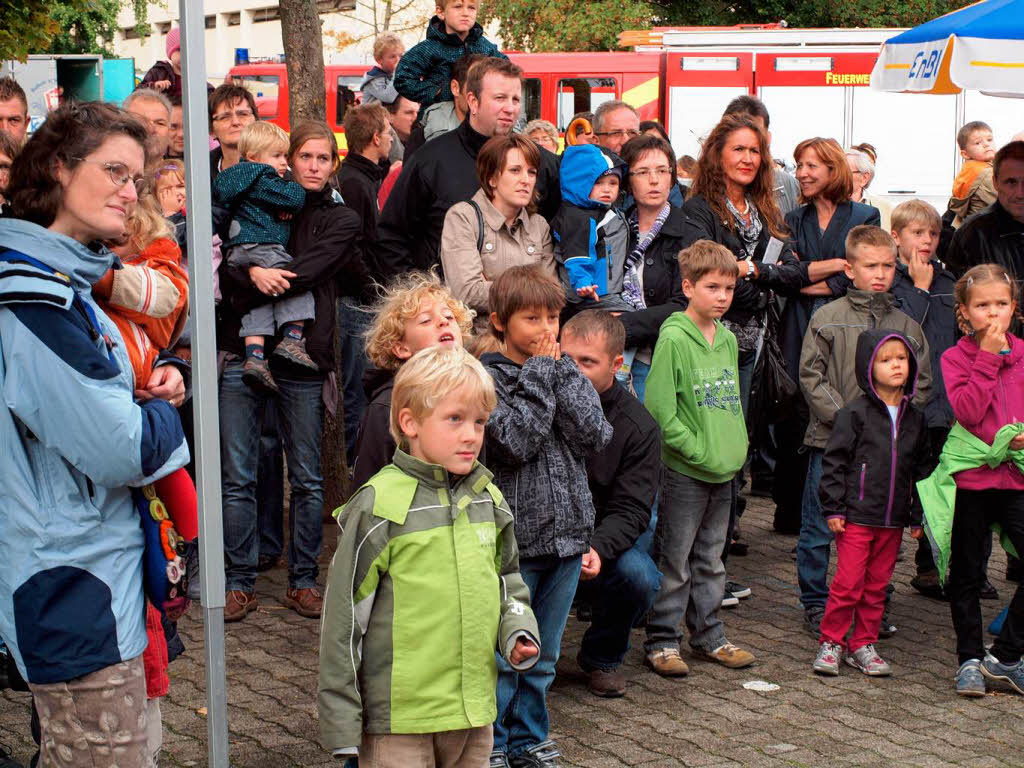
(924, 288)
(424, 74)
(261, 202)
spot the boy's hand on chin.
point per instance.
(523, 649)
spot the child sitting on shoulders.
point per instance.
(262, 201)
(877, 450)
(379, 82)
(401, 677)
(415, 312)
(424, 74)
(973, 187)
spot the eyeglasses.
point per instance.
(654, 174)
(118, 172)
(241, 114)
(624, 134)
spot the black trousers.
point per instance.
(975, 512)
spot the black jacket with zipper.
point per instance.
(868, 473)
(663, 288)
(324, 243)
(375, 447)
(440, 175)
(786, 277)
(624, 476)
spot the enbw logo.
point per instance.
(925, 65)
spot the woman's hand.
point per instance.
(165, 383)
(587, 292)
(269, 281)
(1017, 443)
(916, 533)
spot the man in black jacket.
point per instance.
(996, 234)
(623, 481)
(369, 137)
(443, 173)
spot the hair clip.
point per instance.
(970, 281)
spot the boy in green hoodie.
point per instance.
(693, 393)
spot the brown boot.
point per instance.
(256, 375)
(608, 684)
(239, 604)
(305, 602)
(294, 351)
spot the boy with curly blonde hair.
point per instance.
(416, 311)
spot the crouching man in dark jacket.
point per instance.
(623, 480)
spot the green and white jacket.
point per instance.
(423, 588)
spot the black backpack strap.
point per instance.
(479, 226)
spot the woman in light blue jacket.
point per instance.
(74, 440)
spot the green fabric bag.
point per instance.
(938, 491)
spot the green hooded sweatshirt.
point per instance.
(938, 491)
(693, 392)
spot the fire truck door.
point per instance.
(699, 86)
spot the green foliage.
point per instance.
(62, 26)
(806, 13)
(556, 25)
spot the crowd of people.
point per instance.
(555, 370)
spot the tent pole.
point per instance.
(204, 373)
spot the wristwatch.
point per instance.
(751, 269)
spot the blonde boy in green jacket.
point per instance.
(424, 586)
(693, 393)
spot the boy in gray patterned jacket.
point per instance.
(548, 421)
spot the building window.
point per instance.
(211, 22)
(266, 14)
(334, 6)
(234, 19)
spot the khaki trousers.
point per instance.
(469, 748)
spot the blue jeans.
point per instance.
(814, 547)
(270, 486)
(640, 371)
(692, 520)
(621, 594)
(353, 322)
(522, 696)
(300, 408)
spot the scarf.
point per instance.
(631, 290)
(749, 233)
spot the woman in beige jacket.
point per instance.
(498, 228)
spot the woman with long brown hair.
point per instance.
(732, 202)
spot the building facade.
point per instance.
(255, 25)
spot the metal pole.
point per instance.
(204, 374)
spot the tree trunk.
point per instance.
(304, 57)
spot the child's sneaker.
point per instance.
(729, 600)
(737, 590)
(728, 655)
(827, 662)
(667, 662)
(543, 755)
(499, 759)
(867, 660)
(294, 351)
(969, 679)
(1011, 674)
(256, 375)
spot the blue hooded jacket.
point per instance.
(73, 441)
(592, 239)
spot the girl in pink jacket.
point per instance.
(984, 375)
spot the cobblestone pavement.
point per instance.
(706, 719)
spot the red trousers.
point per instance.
(865, 560)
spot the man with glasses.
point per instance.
(615, 123)
(154, 110)
(13, 110)
(232, 107)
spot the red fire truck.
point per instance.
(815, 82)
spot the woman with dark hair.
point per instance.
(323, 244)
(498, 227)
(75, 441)
(652, 279)
(819, 226)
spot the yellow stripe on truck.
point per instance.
(643, 94)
